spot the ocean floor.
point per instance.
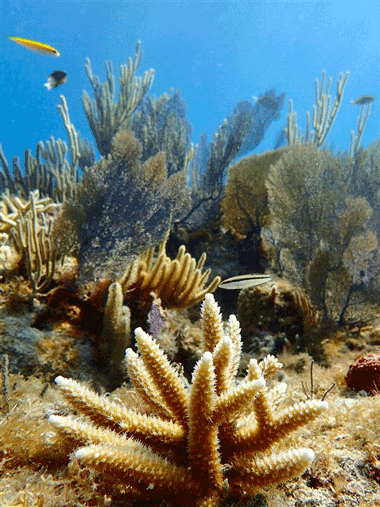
(34, 471)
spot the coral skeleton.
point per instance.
(199, 443)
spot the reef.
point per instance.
(115, 254)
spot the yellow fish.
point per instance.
(38, 47)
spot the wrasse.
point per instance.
(244, 281)
(37, 47)
(365, 99)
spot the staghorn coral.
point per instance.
(199, 443)
(364, 374)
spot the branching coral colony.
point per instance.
(201, 443)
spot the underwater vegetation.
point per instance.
(34, 458)
(149, 283)
(245, 204)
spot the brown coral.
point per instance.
(201, 442)
(364, 374)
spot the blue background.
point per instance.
(215, 53)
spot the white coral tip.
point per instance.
(60, 381)
(81, 453)
(129, 354)
(209, 298)
(260, 382)
(55, 420)
(307, 455)
(226, 340)
(207, 357)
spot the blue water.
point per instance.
(216, 53)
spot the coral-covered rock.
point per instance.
(364, 374)
(278, 307)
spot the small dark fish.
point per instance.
(365, 99)
(244, 281)
(55, 79)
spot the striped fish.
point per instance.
(244, 281)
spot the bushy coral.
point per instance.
(105, 115)
(160, 124)
(245, 205)
(124, 207)
(321, 224)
